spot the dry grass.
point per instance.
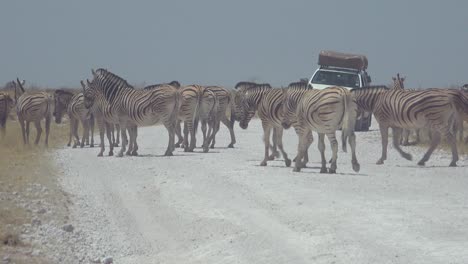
(20, 167)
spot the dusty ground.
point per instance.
(222, 207)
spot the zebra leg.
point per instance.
(434, 143)
(75, 132)
(279, 141)
(405, 137)
(193, 137)
(266, 140)
(309, 140)
(178, 131)
(47, 130)
(118, 135)
(452, 141)
(231, 131)
(334, 147)
(23, 129)
(301, 149)
(203, 128)
(352, 144)
(216, 130)
(135, 144)
(91, 126)
(85, 135)
(186, 134)
(384, 138)
(321, 147)
(171, 131)
(37, 124)
(123, 134)
(274, 150)
(27, 131)
(109, 129)
(418, 136)
(71, 132)
(130, 141)
(396, 143)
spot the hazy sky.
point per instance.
(57, 42)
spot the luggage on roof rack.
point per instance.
(343, 60)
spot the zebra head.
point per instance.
(246, 109)
(89, 94)
(61, 99)
(19, 88)
(398, 82)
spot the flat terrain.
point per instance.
(222, 207)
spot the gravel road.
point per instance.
(222, 207)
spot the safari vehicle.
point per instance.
(346, 70)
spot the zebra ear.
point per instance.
(87, 81)
(393, 78)
(93, 72)
(20, 85)
(83, 85)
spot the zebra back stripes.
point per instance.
(174, 84)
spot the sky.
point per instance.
(56, 43)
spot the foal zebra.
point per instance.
(33, 107)
(134, 108)
(268, 103)
(323, 111)
(6, 104)
(434, 109)
(66, 101)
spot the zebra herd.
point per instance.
(117, 107)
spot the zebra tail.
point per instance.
(196, 115)
(349, 119)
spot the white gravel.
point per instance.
(221, 207)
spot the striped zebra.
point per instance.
(72, 104)
(33, 107)
(434, 109)
(398, 84)
(178, 130)
(224, 103)
(135, 108)
(197, 104)
(323, 111)
(6, 104)
(236, 109)
(268, 103)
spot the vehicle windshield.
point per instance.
(337, 79)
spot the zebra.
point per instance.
(398, 84)
(134, 108)
(178, 130)
(224, 102)
(197, 104)
(6, 104)
(434, 109)
(267, 102)
(71, 103)
(323, 111)
(33, 107)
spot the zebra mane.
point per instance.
(113, 78)
(174, 84)
(248, 84)
(298, 85)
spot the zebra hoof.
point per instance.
(134, 153)
(74, 146)
(111, 153)
(91, 146)
(68, 145)
(177, 145)
(453, 164)
(332, 171)
(421, 163)
(100, 154)
(379, 162)
(212, 147)
(169, 154)
(271, 157)
(82, 146)
(263, 163)
(356, 167)
(120, 155)
(128, 153)
(205, 150)
(323, 170)
(407, 156)
(296, 169)
(231, 145)
(287, 162)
